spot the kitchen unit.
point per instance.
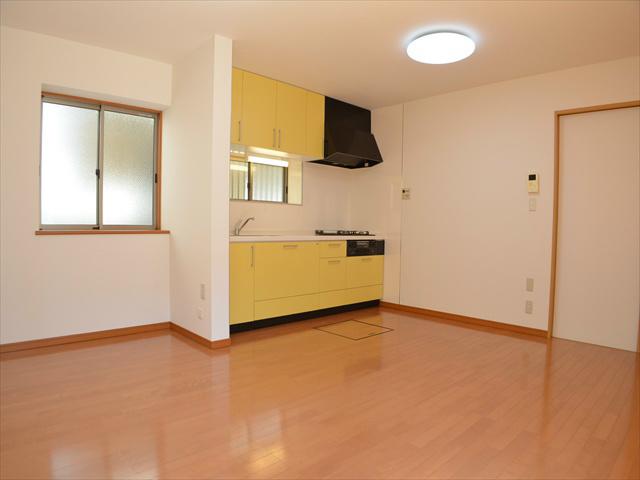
(272, 280)
(274, 115)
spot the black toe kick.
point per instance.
(269, 322)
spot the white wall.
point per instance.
(195, 188)
(219, 298)
(325, 198)
(62, 285)
(468, 239)
(375, 202)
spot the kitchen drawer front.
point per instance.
(365, 271)
(334, 298)
(362, 294)
(333, 249)
(286, 269)
(285, 306)
(333, 274)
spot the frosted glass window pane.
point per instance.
(128, 169)
(69, 162)
(268, 182)
(238, 188)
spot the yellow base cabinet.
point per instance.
(365, 271)
(241, 279)
(279, 307)
(333, 274)
(274, 279)
(333, 298)
(285, 269)
(363, 294)
(333, 249)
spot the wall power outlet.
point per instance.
(528, 307)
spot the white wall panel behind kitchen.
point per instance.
(375, 201)
(325, 204)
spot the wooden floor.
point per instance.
(426, 400)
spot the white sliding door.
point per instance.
(598, 263)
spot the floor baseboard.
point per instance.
(115, 332)
(81, 337)
(215, 344)
(212, 344)
(464, 319)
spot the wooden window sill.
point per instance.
(102, 232)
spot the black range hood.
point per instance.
(348, 142)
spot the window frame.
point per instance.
(101, 107)
(285, 185)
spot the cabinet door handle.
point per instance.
(335, 244)
(239, 130)
(333, 261)
(274, 137)
(279, 138)
(367, 259)
(253, 255)
(290, 246)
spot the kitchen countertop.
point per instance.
(299, 238)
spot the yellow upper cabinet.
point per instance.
(258, 122)
(275, 115)
(236, 106)
(315, 125)
(291, 118)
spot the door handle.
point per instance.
(367, 259)
(274, 137)
(334, 244)
(239, 130)
(290, 246)
(253, 255)
(334, 261)
(279, 138)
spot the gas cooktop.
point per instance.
(361, 233)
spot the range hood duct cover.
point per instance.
(348, 140)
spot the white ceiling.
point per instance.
(352, 50)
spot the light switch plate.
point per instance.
(529, 285)
(533, 182)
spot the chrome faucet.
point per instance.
(238, 228)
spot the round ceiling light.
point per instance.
(440, 47)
